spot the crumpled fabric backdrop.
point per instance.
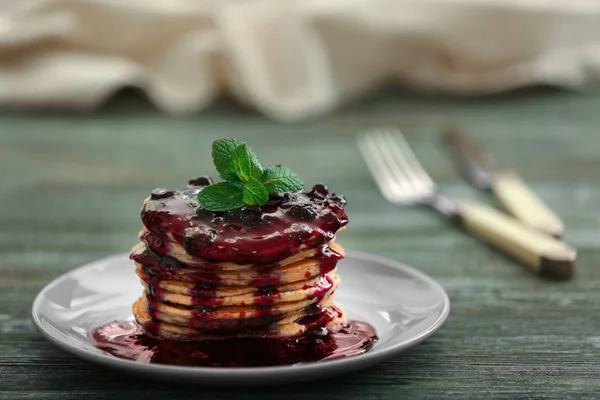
(289, 59)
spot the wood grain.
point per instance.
(71, 187)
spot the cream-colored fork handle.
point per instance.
(541, 253)
(519, 200)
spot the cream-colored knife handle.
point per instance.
(519, 200)
(541, 253)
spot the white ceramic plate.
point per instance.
(404, 306)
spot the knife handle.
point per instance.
(541, 253)
(520, 201)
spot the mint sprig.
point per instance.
(221, 196)
(255, 193)
(246, 183)
(222, 154)
(281, 179)
(245, 164)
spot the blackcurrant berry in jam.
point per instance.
(339, 200)
(161, 193)
(279, 198)
(269, 208)
(319, 190)
(204, 213)
(305, 212)
(200, 181)
(249, 215)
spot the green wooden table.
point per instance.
(71, 187)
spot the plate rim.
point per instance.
(243, 373)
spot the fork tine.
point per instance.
(383, 177)
(398, 173)
(401, 178)
(391, 179)
(406, 157)
(406, 161)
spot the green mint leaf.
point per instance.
(247, 183)
(223, 155)
(255, 193)
(246, 163)
(281, 179)
(230, 176)
(221, 196)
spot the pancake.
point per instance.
(298, 271)
(217, 292)
(223, 326)
(176, 293)
(334, 315)
(156, 248)
(205, 314)
(286, 225)
(255, 271)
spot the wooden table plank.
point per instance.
(71, 188)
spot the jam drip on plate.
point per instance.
(126, 340)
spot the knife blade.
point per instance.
(481, 170)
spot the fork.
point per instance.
(403, 181)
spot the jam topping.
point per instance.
(284, 226)
(200, 181)
(160, 193)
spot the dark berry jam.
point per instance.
(126, 340)
(200, 181)
(284, 226)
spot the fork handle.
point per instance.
(519, 200)
(541, 253)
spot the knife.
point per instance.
(484, 172)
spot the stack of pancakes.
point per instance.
(267, 271)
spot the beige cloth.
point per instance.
(289, 59)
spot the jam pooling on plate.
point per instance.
(126, 340)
